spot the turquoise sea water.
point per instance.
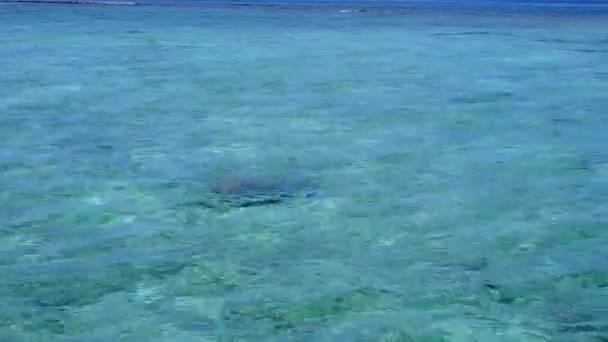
(303, 174)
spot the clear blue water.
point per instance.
(303, 174)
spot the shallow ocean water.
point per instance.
(421, 173)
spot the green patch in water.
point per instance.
(587, 279)
(288, 316)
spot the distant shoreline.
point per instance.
(559, 5)
(74, 2)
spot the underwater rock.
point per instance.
(255, 190)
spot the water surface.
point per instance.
(456, 159)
